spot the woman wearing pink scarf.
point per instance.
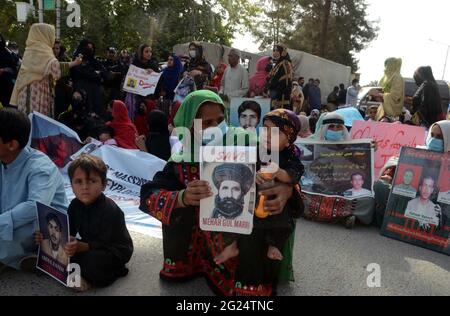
(257, 82)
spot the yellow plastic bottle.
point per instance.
(259, 211)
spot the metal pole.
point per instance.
(446, 58)
(58, 19)
(41, 11)
(445, 64)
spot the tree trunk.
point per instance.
(324, 33)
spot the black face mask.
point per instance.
(108, 116)
(140, 111)
(78, 105)
(89, 52)
(269, 67)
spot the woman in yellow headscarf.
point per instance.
(39, 72)
(393, 90)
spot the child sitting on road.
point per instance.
(103, 246)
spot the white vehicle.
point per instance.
(367, 97)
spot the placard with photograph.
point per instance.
(231, 173)
(54, 226)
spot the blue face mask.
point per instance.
(334, 136)
(209, 136)
(435, 144)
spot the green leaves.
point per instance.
(333, 29)
(335, 32)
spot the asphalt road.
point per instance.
(329, 260)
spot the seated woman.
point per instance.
(438, 140)
(157, 142)
(174, 195)
(330, 127)
(124, 130)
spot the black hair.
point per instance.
(52, 217)
(14, 125)
(250, 105)
(357, 174)
(312, 124)
(427, 177)
(104, 129)
(355, 81)
(89, 164)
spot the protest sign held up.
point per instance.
(389, 139)
(140, 81)
(422, 218)
(343, 169)
(231, 173)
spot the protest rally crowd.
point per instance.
(85, 93)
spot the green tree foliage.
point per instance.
(333, 29)
(275, 22)
(127, 24)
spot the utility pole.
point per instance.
(41, 10)
(446, 58)
(58, 19)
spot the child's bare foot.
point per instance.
(274, 254)
(229, 252)
(84, 286)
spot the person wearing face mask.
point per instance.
(158, 141)
(197, 67)
(8, 72)
(438, 139)
(76, 116)
(89, 76)
(333, 128)
(62, 86)
(426, 102)
(146, 106)
(330, 127)
(33, 90)
(280, 78)
(170, 77)
(173, 197)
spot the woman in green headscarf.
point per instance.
(393, 90)
(174, 195)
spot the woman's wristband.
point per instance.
(181, 199)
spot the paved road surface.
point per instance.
(329, 259)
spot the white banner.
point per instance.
(141, 81)
(128, 170)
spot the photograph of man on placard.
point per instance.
(53, 246)
(357, 190)
(248, 113)
(407, 181)
(422, 208)
(233, 182)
